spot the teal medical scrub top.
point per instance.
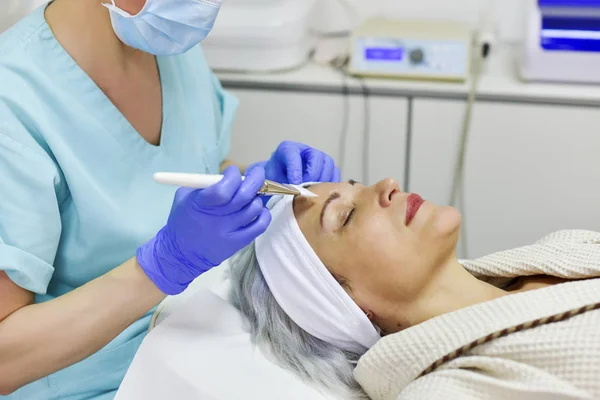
(76, 191)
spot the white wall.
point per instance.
(507, 14)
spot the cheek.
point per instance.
(386, 243)
(131, 6)
(386, 263)
(375, 254)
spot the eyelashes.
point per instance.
(351, 213)
(349, 217)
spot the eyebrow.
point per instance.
(342, 281)
(332, 197)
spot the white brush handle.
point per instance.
(194, 181)
(203, 181)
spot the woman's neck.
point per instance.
(452, 289)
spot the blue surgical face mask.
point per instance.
(165, 27)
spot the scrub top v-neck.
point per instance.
(77, 194)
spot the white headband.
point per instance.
(304, 288)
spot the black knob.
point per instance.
(417, 56)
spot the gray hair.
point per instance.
(282, 340)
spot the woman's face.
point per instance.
(382, 245)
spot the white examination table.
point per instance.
(198, 348)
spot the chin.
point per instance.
(448, 221)
(446, 226)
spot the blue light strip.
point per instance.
(566, 44)
(569, 3)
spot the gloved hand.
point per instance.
(296, 163)
(205, 228)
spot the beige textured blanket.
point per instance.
(554, 361)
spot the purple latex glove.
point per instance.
(205, 228)
(296, 163)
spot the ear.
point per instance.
(370, 314)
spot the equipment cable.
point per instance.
(366, 130)
(457, 195)
(340, 64)
(345, 123)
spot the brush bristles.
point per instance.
(305, 192)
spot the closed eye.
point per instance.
(349, 217)
(351, 213)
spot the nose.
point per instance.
(385, 190)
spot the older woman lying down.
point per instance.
(360, 290)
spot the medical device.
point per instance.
(203, 181)
(261, 35)
(562, 41)
(411, 49)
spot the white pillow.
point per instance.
(200, 348)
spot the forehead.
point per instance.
(309, 205)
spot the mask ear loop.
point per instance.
(113, 7)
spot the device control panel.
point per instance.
(410, 58)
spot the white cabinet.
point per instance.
(530, 169)
(265, 118)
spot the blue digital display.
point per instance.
(570, 34)
(571, 23)
(384, 54)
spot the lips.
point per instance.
(413, 203)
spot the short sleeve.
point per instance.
(227, 106)
(30, 223)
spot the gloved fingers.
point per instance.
(255, 165)
(314, 161)
(289, 154)
(275, 170)
(254, 229)
(221, 193)
(246, 215)
(337, 175)
(328, 169)
(248, 190)
(265, 199)
(181, 194)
